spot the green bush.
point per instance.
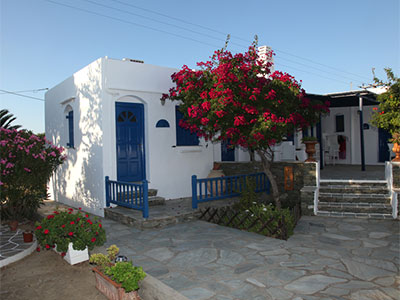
(27, 162)
(126, 274)
(64, 227)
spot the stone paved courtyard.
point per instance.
(326, 258)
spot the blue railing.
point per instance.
(127, 194)
(207, 189)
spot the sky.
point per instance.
(331, 46)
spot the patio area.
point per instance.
(326, 258)
(348, 172)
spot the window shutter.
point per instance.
(183, 136)
(70, 118)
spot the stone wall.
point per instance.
(396, 175)
(304, 174)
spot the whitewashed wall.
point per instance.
(79, 182)
(352, 132)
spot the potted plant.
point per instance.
(71, 234)
(310, 142)
(387, 115)
(116, 281)
(28, 236)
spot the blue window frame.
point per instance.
(162, 123)
(183, 136)
(70, 117)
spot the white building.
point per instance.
(111, 121)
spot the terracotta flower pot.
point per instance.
(13, 225)
(310, 150)
(396, 150)
(111, 289)
(28, 236)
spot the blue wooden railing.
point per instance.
(207, 189)
(127, 194)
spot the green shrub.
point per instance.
(64, 227)
(101, 260)
(27, 162)
(126, 274)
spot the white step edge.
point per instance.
(352, 181)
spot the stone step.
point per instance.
(353, 189)
(353, 183)
(344, 197)
(355, 207)
(354, 215)
(156, 200)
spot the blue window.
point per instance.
(70, 117)
(183, 136)
(162, 123)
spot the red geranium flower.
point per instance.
(90, 222)
(70, 233)
(46, 231)
(39, 227)
(80, 208)
(78, 219)
(100, 225)
(72, 222)
(47, 246)
(50, 217)
(93, 240)
(63, 254)
(70, 209)
(87, 216)
(70, 212)
(63, 226)
(38, 249)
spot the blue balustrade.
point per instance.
(208, 189)
(127, 194)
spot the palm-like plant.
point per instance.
(6, 118)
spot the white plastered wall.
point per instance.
(79, 182)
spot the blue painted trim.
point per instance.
(208, 189)
(127, 194)
(194, 191)
(162, 123)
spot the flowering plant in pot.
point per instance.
(27, 162)
(63, 228)
(310, 142)
(116, 281)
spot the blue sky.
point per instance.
(326, 44)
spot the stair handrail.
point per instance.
(128, 194)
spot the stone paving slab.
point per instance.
(326, 258)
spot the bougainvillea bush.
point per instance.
(27, 162)
(237, 98)
(387, 116)
(64, 227)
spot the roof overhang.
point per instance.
(347, 99)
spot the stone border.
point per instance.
(153, 289)
(19, 256)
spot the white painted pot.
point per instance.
(75, 256)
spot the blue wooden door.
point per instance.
(129, 119)
(383, 137)
(227, 152)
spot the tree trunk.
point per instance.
(267, 170)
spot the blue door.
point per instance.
(227, 152)
(129, 119)
(383, 137)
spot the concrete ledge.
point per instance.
(153, 289)
(18, 256)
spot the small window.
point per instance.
(70, 117)
(340, 123)
(183, 136)
(162, 123)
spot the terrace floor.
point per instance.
(347, 172)
(326, 258)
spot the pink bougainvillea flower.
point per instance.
(27, 170)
